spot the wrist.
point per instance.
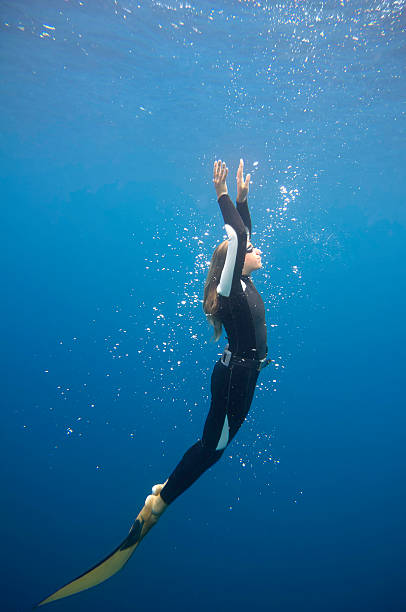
(221, 192)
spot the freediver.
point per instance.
(230, 301)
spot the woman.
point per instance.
(230, 300)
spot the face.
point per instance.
(252, 259)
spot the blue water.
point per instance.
(112, 114)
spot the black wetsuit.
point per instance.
(242, 312)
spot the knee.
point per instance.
(210, 454)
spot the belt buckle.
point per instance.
(264, 363)
(226, 357)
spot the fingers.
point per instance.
(247, 181)
(220, 171)
(240, 171)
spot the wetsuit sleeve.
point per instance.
(237, 246)
(244, 212)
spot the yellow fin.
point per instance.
(103, 570)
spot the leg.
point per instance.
(204, 453)
(232, 391)
(242, 388)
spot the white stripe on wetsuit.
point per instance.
(224, 436)
(226, 279)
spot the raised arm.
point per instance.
(242, 193)
(236, 232)
(243, 211)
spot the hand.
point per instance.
(220, 172)
(242, 186)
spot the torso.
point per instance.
(241, 309)
(243, 317)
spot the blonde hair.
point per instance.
(210, 296)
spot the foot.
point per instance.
(153, 508)
(158, 504)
